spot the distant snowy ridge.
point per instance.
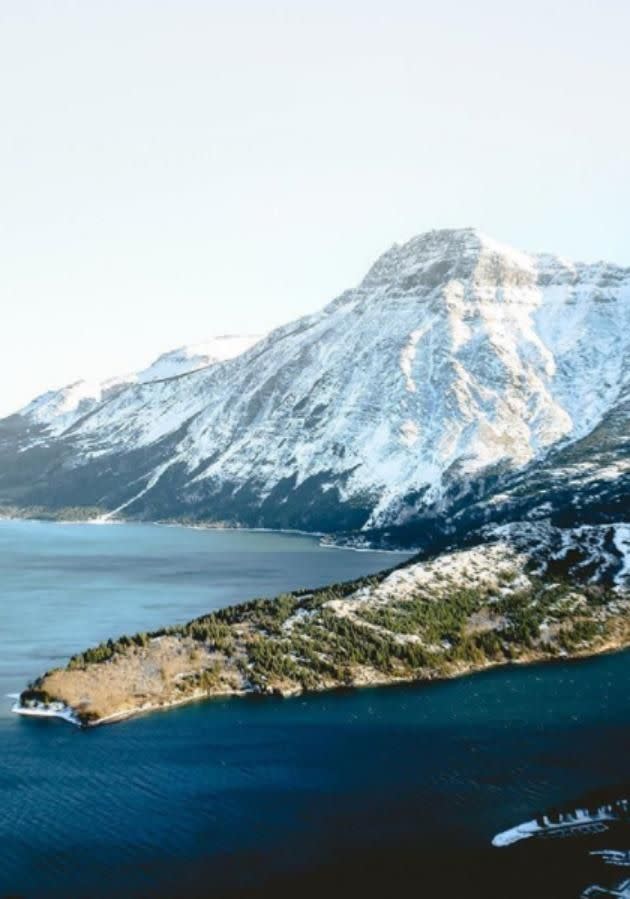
(190, 358)
(59, 409)
(456, 375)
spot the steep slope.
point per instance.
(459, 378)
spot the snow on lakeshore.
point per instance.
(515, 834)
(54, 710)
(579, 820)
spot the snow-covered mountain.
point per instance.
(459, 381)
(197, 355)
(59, 409)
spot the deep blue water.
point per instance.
(373, 792)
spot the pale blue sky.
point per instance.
(174, 170)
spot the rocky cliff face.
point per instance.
(461, 383)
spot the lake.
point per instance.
(369, 792)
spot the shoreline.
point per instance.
(455, 615)
(323, 539)
(65, 714)
(69, 715)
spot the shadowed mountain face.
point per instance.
(461, 384)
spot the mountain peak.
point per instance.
(443, 255)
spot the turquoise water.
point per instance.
(372, 792)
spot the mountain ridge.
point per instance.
(61, 408)
(455, 366)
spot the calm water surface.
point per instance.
(372, 792)
(65, 587)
